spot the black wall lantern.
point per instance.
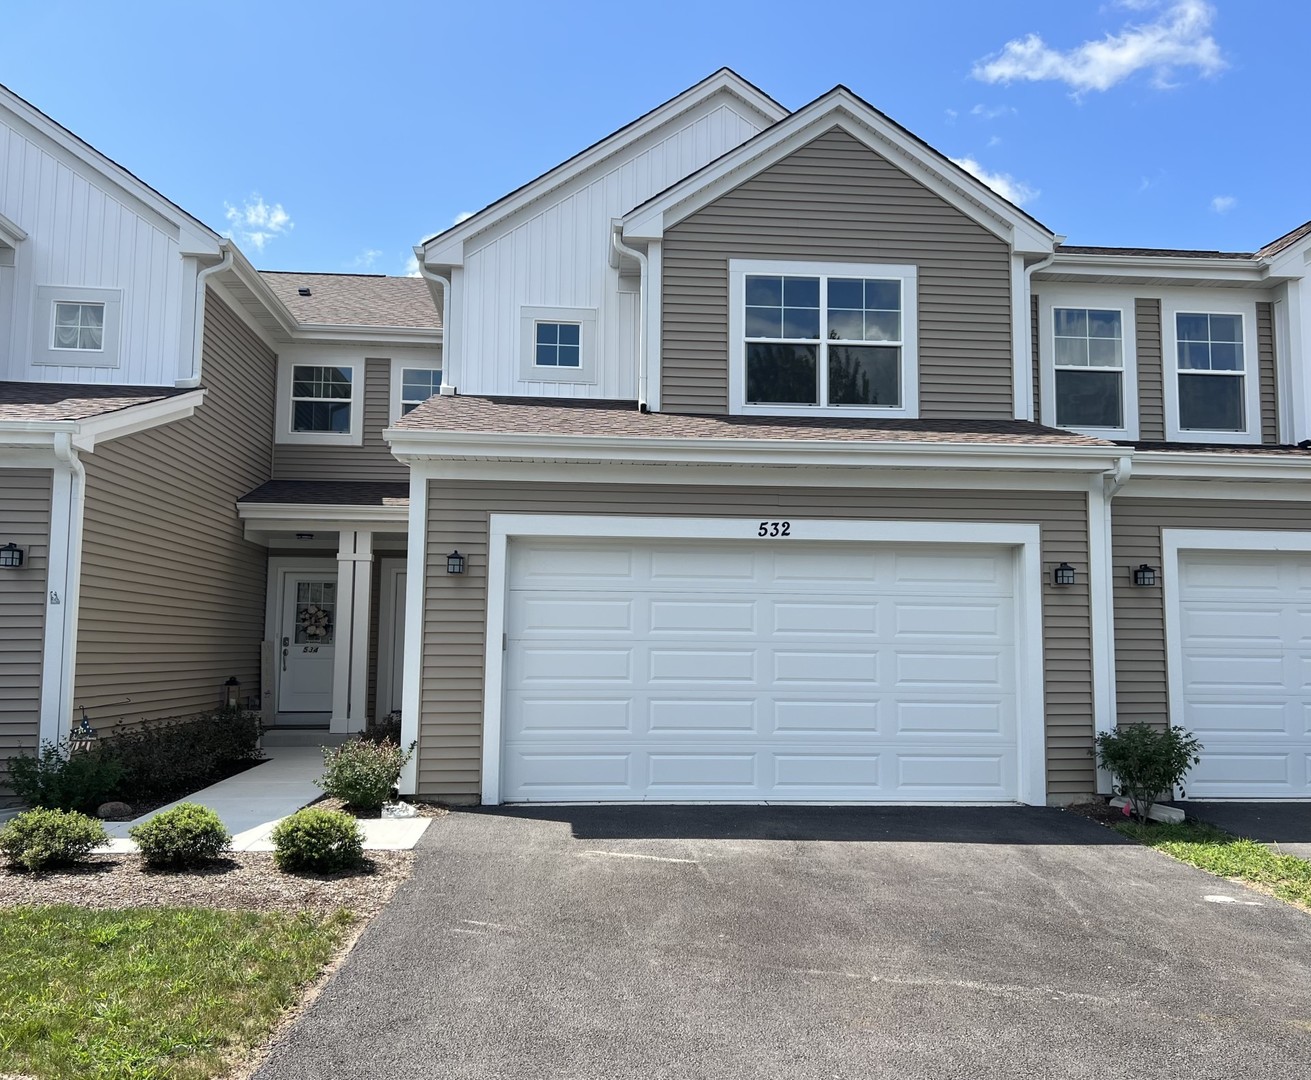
(232, 693)
(1144, 576)
(1063, 575)
(11, 556)
(455, 563)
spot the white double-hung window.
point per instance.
(1089, 376)
(1211, 378)
(832, 338)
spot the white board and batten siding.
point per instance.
(721, 672)
(557, 254)
(87, 230)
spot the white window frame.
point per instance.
(43, 345)
(739, 269)
(400, 365)
(529, 371)
(1096, 300)
(1210, 303)
(353, 437)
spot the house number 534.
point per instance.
(775, 528)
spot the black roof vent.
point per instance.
(304, 290)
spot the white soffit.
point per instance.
(841, 108)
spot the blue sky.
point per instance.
(330, 141)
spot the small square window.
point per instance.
(79, 327)
(558, 345)
(321, 399)
(417, 386)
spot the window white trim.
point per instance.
(1025, 539)
(529, 317)
(43, 335)
(738, 269)
(400, 365)
(1050, 298)
(285, 434)
(1210, 303)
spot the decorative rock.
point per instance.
(115, 811)
(399, 810)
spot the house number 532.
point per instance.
(775, 528)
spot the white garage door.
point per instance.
(759, 672)
(1245, 671)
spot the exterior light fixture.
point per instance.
(304, 536)
(232, 693)
(1144, 576)
(455, 563)
(11, 556)
(1063, 575)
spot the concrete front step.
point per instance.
(301, 737)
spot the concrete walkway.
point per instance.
(253, 802)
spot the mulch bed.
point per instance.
(246, 880)
(1100, 811)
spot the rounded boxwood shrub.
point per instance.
(363, 774)
(188, 835)
(42, 838)
(320, 841)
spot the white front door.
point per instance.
(720, 671)
(306, 642)
(1244, 651)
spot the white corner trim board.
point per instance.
(416, 562)
(1023, 540)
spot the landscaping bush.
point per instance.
(175, 757)
(363, 774)
(385, 730)
(319, 841)
(188, 835)
(1147, 761)
(60, 778)
(44, 838)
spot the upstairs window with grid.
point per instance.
(321, 398)
(79, 327)
(558, 345)
(417, 386)
(1211, 372)
(1089, 366)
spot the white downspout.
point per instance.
(1027, 315)
(1102, 579)
(445, 283)
(198, 322)
(640, 256)
(67, 455)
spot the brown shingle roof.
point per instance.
(1285, 241)
(1148, 253)
(331, 493)
(1282, 450)
(29, 401)
(356, 299)
(621, 419)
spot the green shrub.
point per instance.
(188, 835)
(320, 841)
(175, 757)
(363, 774)
(385, 730)
(43, 838)
(60, 778)
(1147, 761)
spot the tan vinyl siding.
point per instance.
(1151, 392)
(835, 199)
(455, 607)
(1036, 360)
(172, 599)
(1265, 353)
(1140, 656)
(371, 460)
(25, 511)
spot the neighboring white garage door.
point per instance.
(1245, 672)
(759, 672)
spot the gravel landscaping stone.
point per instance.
(243, 881)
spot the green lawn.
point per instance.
(1204, 846)
(149, 994)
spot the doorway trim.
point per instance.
(390, 642)
(279, 567)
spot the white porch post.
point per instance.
(350, 670)
(62, 583)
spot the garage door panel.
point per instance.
(952, 719)
(944, 773)
(705, 665)
(811, 717)
(570, 716)
(839, 774)
(1238, 720)
(831, 618)
(564, 567)
(564, 614)
(708, 716)
(537, 664)
(690, 771)
(1208, 672)
(824, 667)
(703, 617)
(670, 567)
(1246, 626)
(1224, 575)
(984, 670)
(975, 622)
(565, 774)
(848, 569)
(1243, 774)
(952, 569)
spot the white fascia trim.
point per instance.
(1174, 542)
(1286, 489)
(129, 421)
(11, 232)
(416, 568)
(841, 109)
(410, 446)
(1027, 539)
(1218, 465)
(302, 513)
(345, 334)
(447, 248)
(1157, 266)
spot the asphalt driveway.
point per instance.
(1287, 825)
(654, 942)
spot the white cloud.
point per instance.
(991, 112)
(994, 140)
(1222, 204)
(464, 215)
(1005, 185)
(365, 259)
(256, 222)
(951, 115)
(1179, 38)
(412, 266)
